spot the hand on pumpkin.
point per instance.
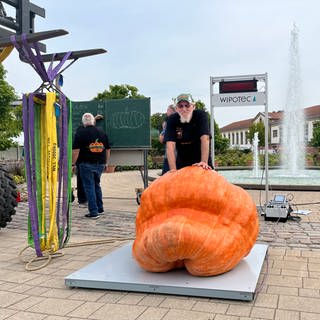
(203, 165)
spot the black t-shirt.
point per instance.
(187, 136)
(92, 142)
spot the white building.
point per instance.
(237, 132)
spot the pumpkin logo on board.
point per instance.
(96, 147)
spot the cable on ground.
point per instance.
(32, 263)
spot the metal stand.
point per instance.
(119, 271)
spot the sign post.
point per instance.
(237, 91)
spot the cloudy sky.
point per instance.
(168, 47)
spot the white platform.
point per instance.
(119, 271)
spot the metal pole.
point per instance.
(266, 133)
(212, 121)
(145, 168)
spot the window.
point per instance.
(274, 133)
(306, 132)
(247, 137)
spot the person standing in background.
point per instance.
(170, 110)
(91, 151)
(81, 195)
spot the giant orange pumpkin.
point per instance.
(194, 218)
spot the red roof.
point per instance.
(275, 115)
(310, 112)
(243, 124)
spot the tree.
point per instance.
(315, 141)
(201, 106)
(257, 127)
(123, 91)
(157, 120)
(221, 144)
(11, 119)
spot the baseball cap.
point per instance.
(184, 97)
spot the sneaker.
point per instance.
(88, 215)
(100, 212)
(83, 205)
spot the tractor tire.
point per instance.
(8, 198)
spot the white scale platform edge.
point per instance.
(119, 271)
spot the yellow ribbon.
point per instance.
(52, 170)
(4, 52)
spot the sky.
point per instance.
(169, 47)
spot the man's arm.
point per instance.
(171, 154)
(205, 141)
(107, 156)
(161, 137)
(75, 154)
(204, 148)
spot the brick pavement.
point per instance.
(289, 285)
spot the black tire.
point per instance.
(8, 198)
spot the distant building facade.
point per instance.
(237, 132)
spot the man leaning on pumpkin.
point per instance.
(187, 136)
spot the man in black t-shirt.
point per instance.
(91, 151)
(81, 195)
(187, 136)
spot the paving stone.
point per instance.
(312, 293)
(310, 283)
(22, 315)
(10, 298)
(266, 300)
(87, 294)
(119, 312)
(52, 306)
(309, 316)
(177, 303)
(239, 310)
(287, 315)
(26, 303)
(299, 304)
(153, 313)
(133, 298)
(174, 314)
(151, 300)
(211, 307)
(283, 290)
(263, 313)
(85, 309)
(6, 313)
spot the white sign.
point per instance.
(239, 99)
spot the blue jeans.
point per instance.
(81, 195)
(90, 175)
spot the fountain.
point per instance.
(255, 145)
(293, 143)
(292, 175)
